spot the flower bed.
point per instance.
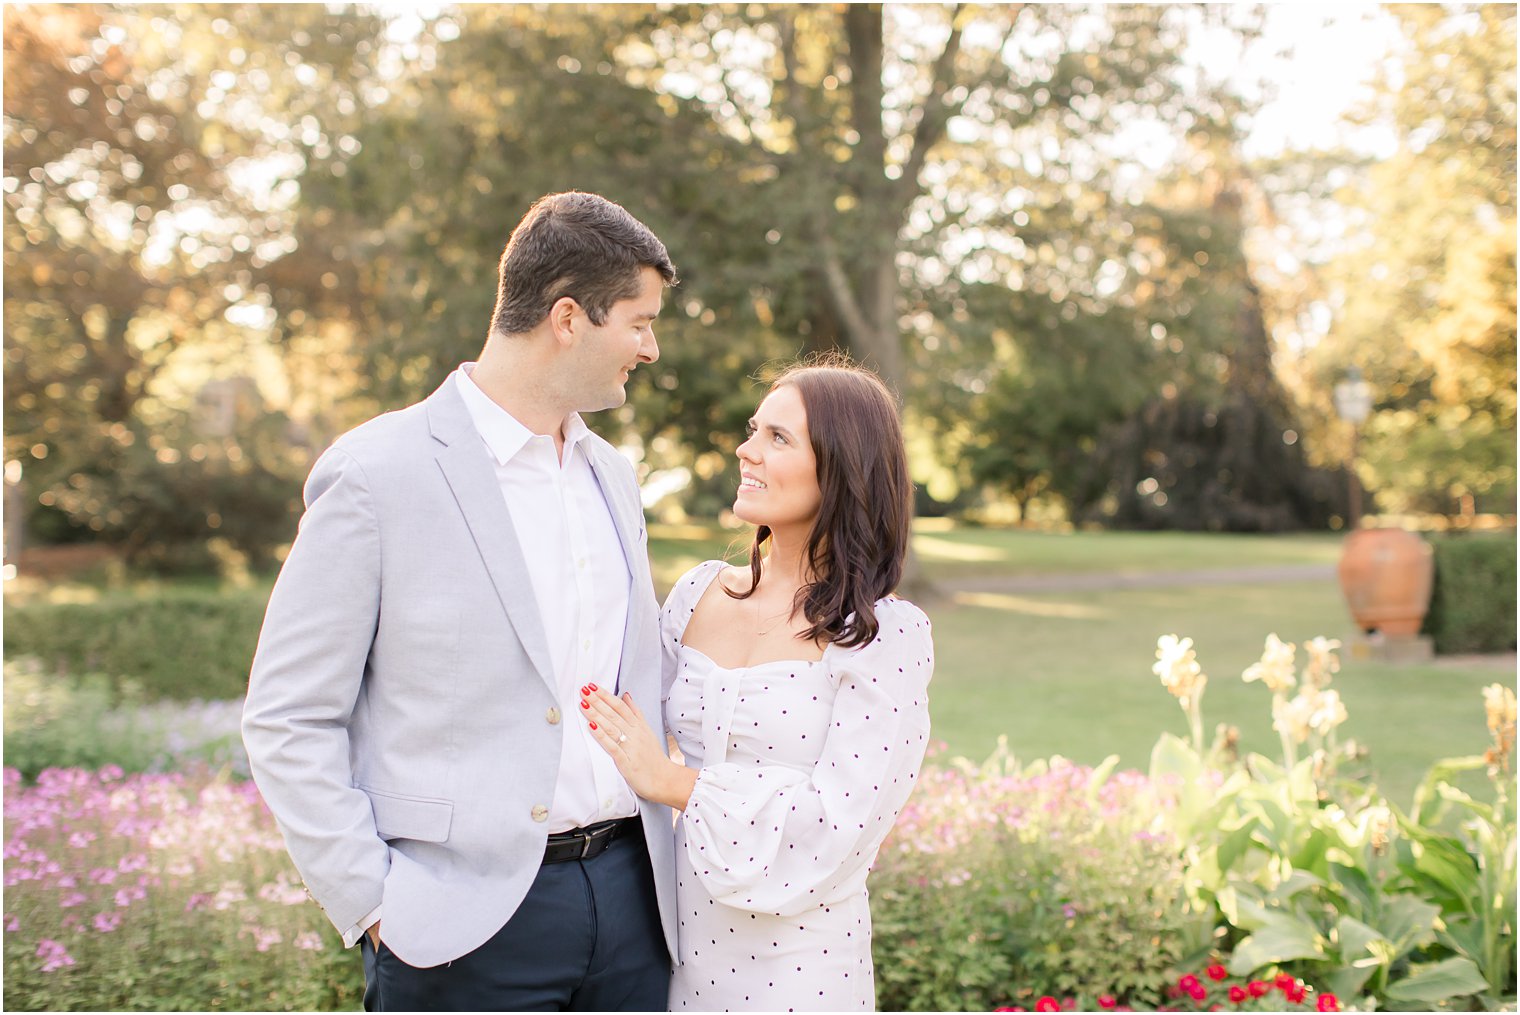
(158, 892)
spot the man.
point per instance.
(464, 567)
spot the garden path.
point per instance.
(1147, 579)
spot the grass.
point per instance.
(1069, 673)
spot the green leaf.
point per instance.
(1355, 937)
(1408, 921)
(1456, 977)
(1282, 939)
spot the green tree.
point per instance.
(1427, 297)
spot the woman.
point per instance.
(796, 689)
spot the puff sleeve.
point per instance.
(773, 839)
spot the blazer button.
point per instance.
(540, 812)
(552, 716)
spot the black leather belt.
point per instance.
(585, 843)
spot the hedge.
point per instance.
(180, 644)
(1472, 607)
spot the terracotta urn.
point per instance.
(1386, 575)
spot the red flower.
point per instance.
(1188, 982)
(1006, 1008)
(1327, 1002)
(1238, 994)
(1047, 1003)
(1284, 982)
(1217, 972)
(1106, 1001)
(1297, 994)
(1257, 988)
(1198, 991)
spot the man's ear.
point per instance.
(562, 319)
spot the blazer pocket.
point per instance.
(411, 817)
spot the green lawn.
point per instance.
(1070, 673)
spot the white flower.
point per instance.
(1290, 717)
(1178, 667)
(1276, 666)
(1328, 712)
(1323, 662)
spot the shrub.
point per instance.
(1472, 607)
(181, 644)
(1056, 876)
(53, 722)
(159, 893)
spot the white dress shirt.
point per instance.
(580, 580)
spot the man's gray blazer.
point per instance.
(402, 719)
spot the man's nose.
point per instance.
(649, 349)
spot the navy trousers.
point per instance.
(586, 938)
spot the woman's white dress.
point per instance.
(804, 767)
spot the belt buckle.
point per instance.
(585, 844)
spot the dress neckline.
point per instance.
(753, 666)
(713, 573)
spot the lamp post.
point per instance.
(1353, 403)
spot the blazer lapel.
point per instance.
(467, 468)
(628, 515)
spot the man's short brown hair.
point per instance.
(578, 245)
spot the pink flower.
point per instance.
(1284, 982)
(1297, 994)
(102, 875)
(1198, 991)
(1106, 1002)
(71, 900)
(1047, 1004)
(107, 922)
(53, 955)
(1217, 972)
(309, 941)
(11, 923)
(1187, 983)
(1256, 988)
(110, 773)
(1327, 1002)
(1238, 994)
(196, 901)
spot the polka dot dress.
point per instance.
(803, 768)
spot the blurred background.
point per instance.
(1175, 298)
(1115, 259)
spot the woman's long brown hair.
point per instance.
(855, 550)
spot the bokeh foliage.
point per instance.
(235, 231)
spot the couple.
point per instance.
(459, 707)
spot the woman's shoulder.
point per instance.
(892, 611)
(688, 588)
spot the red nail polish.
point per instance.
(585, 690)
(593, 725)
(585, 704)
(592, 686)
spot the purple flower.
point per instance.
(107, 922)
(71, 900)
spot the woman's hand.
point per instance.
(620, 729)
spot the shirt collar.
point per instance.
(503, 433)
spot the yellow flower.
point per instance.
(1276, 666)
(1178, 668)
(1323, 662)
(1499, 704)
